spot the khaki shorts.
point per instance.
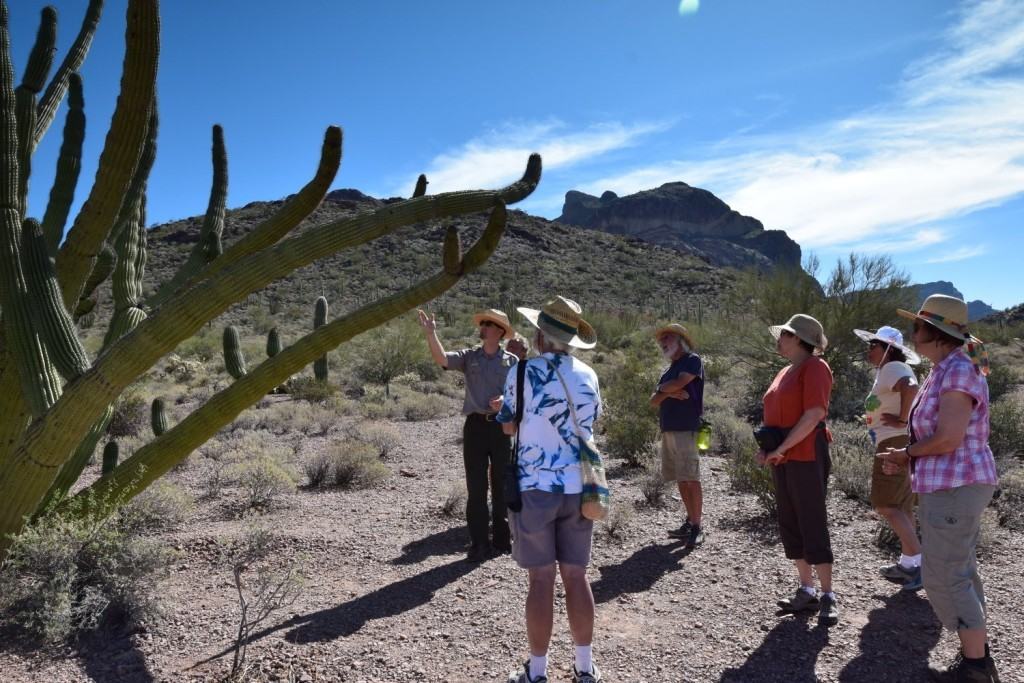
(891, 490)
(550, 528)
(680, 460)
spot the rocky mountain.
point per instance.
(976, 309)
(687, 219)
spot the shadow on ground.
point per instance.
(638, 572)
(447, 542)
(788, 653)
(895, 642)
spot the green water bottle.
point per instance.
(704, 436)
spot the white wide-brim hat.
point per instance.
(892, 337)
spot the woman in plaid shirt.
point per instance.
(954, 474)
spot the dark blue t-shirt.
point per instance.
(683, 416)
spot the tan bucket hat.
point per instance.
(949, 314)
(498, 318)
(560, 319)
(677, 329)
(804, 327)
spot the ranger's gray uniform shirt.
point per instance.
(485, 376)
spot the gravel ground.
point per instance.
(390, 598)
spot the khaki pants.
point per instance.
(950, 526)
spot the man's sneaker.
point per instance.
(802, 601)
(586, 676)
(897, 573)
(828, 611)
(961, 671)
(682, 532)
(522, 675)
(914, 583)
(696, 538)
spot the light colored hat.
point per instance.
(677, 329)
(892, 337)
(498, 318)
(949, 314)
(804, 327)
(559, 319)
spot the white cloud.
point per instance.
(961, 254)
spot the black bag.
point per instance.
(770, 438)
(510, 484)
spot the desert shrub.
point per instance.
(852, 459)
(1002, 379)
(356, 466)
(652, 487)
(1010, 504)
(131, 415)
(453, 504)
(393, 350)
(214, 478)
(615, 524)
(67, 573)
(310, 389)
(418, 407)
(264, 480)
(730, 434)
(1006, 423)
(383, 437)
(317, 469)
(162, 505)
(747, 476)
(630, 423)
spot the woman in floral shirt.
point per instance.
(954, 474)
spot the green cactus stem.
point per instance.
(33, 80)
(273, 343)
(421, 186)
(234, 359)
(111, 453)
(319, 320)
(69, 164)
(101, 270)
(158, 416)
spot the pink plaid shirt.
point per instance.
(972, 461)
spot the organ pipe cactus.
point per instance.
(55, 398)
(319, 320)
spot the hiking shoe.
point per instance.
(695, 538)
(586, 676)
(828, 611)
(914, 583)
(479, 553)
(897, 573)
(802, 601)
(962, 671)
(683, 531)
(523, 675)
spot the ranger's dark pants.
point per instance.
(483, 445)
(800, 491)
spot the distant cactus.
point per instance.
(319, 320)
(158, 417)
(56, 397)
(273, 343)
(110, 456)
(234, 359)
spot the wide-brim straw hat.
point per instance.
(561, 320)
(498, 318)
(949, 314)
(676, 329)
(892, 337)
(804, 327)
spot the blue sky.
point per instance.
(872, 126)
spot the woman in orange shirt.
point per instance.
(797, 403)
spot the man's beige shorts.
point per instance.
(680, 460)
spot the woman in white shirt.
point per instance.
(886, 414)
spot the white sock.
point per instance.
(910, 561)
(538, 666)
(809, 589)
(584, 659)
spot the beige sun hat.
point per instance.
(676, 329)
(892, 337)
(949, 314)
(560, 319)
(498, 318)
(804, 327)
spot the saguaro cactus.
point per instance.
(158, 416)
(234, 359)
(111, 453)
(55, 399)
(273, 343)
(319, 320)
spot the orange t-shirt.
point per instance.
(793, 391)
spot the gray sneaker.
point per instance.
(802, 601)
(586, 676)
(522, 675)
(828, 611)
(914, 583)
(897, 573)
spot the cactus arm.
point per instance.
(69, 164)
(160, 455)
(234, 359)
(51, 318)
(121, 151)
(38, 66)
(319, 320)
(105, 262)
(270, 231)
(421, 186)
(208, 246)
(50, 102)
